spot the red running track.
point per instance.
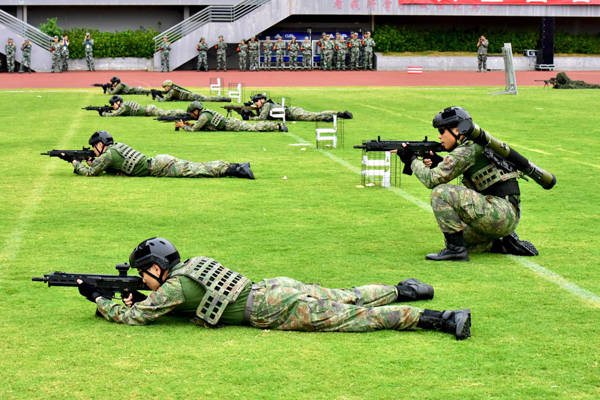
(81, 79)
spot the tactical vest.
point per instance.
(490, 174)
(133, 107)
(222, 285)
(217, 120)
(130, 157)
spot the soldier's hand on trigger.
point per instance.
(179, 124)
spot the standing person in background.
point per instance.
(267, 51)
(55, 51)
(368, 43)
(242, 50)
(165, 48)
(482, 50)
(279, 48)
(293, 48)
(221, 48)
(254, 53)
(306, 49)
(354, 51)
(11, 51)
(25, 56)
(342, 51)
(88, 47)
(202, 48)
(64, 53)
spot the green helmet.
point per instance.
(195, 105)
(166, 83)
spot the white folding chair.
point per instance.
(328, 134)
(383, 169)
(215, 85)
(278, 112)
(235, 92)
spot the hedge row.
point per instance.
(401, 39)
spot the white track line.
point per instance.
(545, 273)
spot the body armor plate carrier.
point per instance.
(134, 107)
(498, 170)
(130, 157)
(216, 119)
(223, 286)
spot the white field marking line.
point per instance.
(518, 146)
(545, 273)
(12, 246)
(582, 163)
(397, 114)
(568, 151)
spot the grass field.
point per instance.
(535, 331)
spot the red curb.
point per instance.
(83, 79)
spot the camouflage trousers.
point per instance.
(25, 62)
(327, 60)
(279, 59)
(221, 60)
(237, 125)
(243, 61)
(152, 110)
(354, 58)
(169, 166)
(307, 60)
(340, 60)
(10, 63)
(138, 90)
(293, 60)
(189, 96)
(286, 304)
(481, 62)
(299, 114)
(267, 62)
(254, 61)
(368, 59)
(164, 61)
(64, 58)
(481, 218)
(202, 61)
(55, 62)
(89, 59)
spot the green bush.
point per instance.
(137, 43)
(51, 28)
(401, 39)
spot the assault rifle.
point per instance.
(104, 86)
(246, 111)
(69, 155)
(551, 81)
(172, 118)
(107, 285)
(157, 93)
(100, 109)
(419, 148)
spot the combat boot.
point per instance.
(413, 289)
(345, 114)
(512, 245)
(240, 171)
(282, 127)
(455, 249)
(456, 322)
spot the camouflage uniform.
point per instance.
(354, 45)
(254, 53)
(26, 57)
(210, 120)
(342, 51)
(368, 43)
(482, 51)
(242, 50)
(562, 81)
(122, 88)
(267, 52)
(177, 93)
(279, 48)
(335, 40)
(64, 54)
(278, 303)
(132, 109)
(165, 48)
(10, 50)
(293, 48)
(481, 217)
(327, 47)
(293, 113)
(88, 46)
(306, 49)
(221, 48)
(55, 51)
(113, 162)
(202, 48)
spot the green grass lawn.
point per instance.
(535, 331)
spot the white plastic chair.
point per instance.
(236, 93)
(328, 134)
(216, 86)
(384, 168)
(278, 112)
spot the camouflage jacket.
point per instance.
(26, 49)
(306, 47)
(88, 44)
(221, 47)
(265, 111)
(253, 46)
(128, 108)
(111, 161)
(179, 294)
(10, 50)
(208, 120)
(164, 48)
(174, 94)
(242, 49)
(293, 47)
(121, 88)
(279, 47)
(202, 47)
(368, 43)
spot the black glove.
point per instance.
(100, 111)
(435, 159)
(137, 296)
(88, 291)
(406, 155)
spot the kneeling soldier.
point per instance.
(214, 295)
(133, 109)
(118, 158)
(209, 120)
(175, 92)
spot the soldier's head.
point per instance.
(114, 81)
(10, 40)
(116, 101)
(243, 41)
(165, 39)
(305, 37)
(167, 85)
(337, 35)
(195, 108)
(278, 37)
(202, 40)
(367, 34)
(562, 78)
(293, 38)
(153, 258)
(87, 35)
(55, 38)
(220, 37)
(253, 38)
(100, 141)
(258, 99)
(66, 37)
(446, 122)
(267, 38)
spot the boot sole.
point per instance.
(463, 324)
